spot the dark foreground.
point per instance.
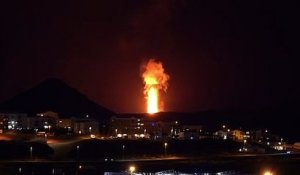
(279, 164)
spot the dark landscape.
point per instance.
(151, 87)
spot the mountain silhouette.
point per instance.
(55, 95)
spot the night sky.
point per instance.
(219, 54)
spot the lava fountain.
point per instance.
(155, 80)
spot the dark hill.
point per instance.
(55, 95)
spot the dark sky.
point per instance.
(219, 54)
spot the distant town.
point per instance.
(54, 129)
(50, 124)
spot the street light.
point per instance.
(123, 150)
(244, 147)
(31, 149)
(46, 137)
(77, 148)
(165, 144)
(131, 169)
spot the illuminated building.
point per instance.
(86, 126)
(142, 127)
(127, 127)
(189, 132)
(14, 121)
(65, 123)
(238, 135)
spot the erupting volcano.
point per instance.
(155, 80)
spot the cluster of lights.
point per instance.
(47, 126)
(220, 173)
(243, 150)
(132, 169)
(279, 146)
(135, 135)
(140, 124)
(106, 159)
(12, 124)
(139, 135)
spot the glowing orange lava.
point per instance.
(155, 79)
(152, 102)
